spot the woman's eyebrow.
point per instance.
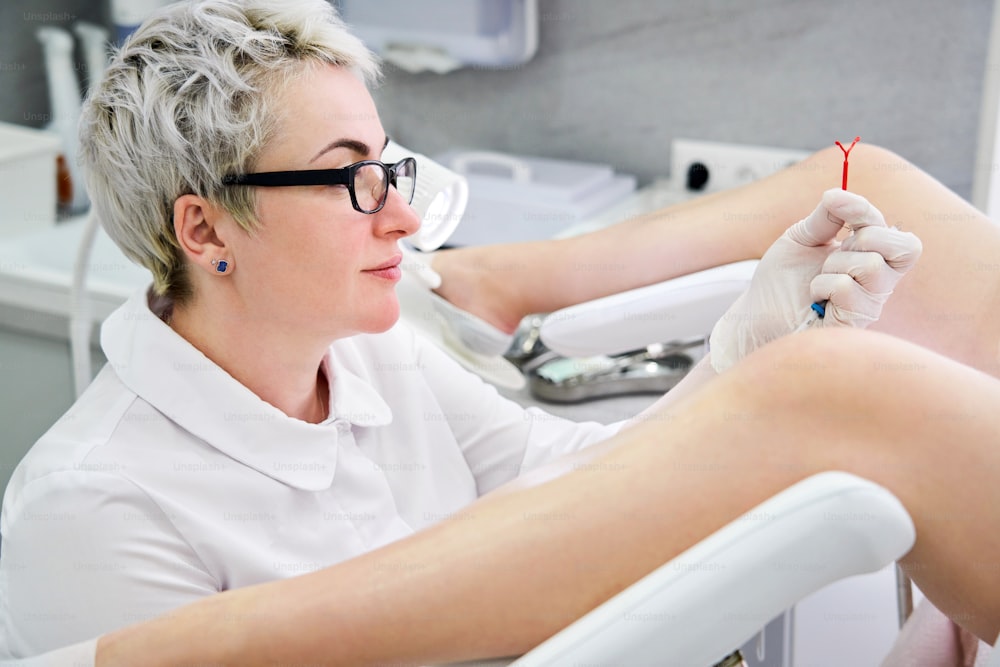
(354, 145)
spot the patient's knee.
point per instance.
(827, 364)
(871, 167)
(815, 349)
(863, 156)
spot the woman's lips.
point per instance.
(389, 270)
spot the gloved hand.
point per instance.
(807, 265)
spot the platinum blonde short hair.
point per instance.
(188, 99)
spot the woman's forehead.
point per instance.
(322, 105)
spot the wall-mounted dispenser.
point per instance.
(444, 35)
(127, 15)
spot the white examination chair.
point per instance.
(697, 608)
(679, 309)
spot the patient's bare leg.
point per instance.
(943, 304)
(523, 562)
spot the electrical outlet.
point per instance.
(709, 166)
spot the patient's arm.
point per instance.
(523, 562)
(943, 304)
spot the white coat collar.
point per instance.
(173, 376)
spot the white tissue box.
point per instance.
(27, 179)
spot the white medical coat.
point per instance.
(168, 480)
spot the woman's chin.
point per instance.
(372, 321)
(385, 320)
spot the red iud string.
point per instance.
(847, 151)
(819, 307)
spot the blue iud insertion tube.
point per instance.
(819, 309)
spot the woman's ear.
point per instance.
(196, 226)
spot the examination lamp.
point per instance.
(440, 198)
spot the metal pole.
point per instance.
(904, 595)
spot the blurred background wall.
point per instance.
(614, 82)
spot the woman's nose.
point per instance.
(397, 216)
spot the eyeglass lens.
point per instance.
(371, 183)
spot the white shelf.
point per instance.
(36, 275)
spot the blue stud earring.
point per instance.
(220, 265)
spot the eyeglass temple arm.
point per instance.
(289, 178)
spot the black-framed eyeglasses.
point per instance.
(368, 181)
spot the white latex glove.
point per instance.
(807, 265)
